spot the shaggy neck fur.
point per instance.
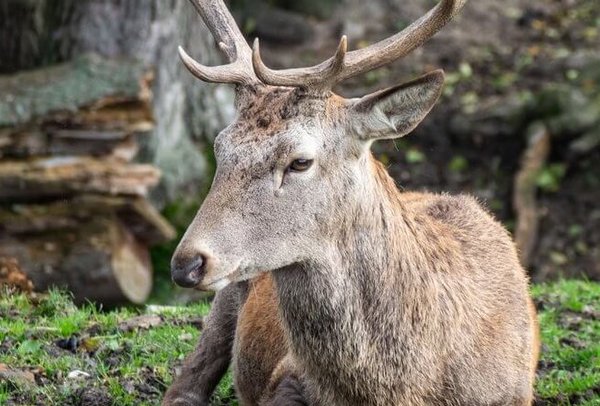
(352, 319)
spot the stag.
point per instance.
(333, 287)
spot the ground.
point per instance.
(53, 353)
(569, 369)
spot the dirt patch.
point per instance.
(91, 397)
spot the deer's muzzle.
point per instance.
(188, 268)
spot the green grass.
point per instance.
(135, 367)
(129, 368)
(569, 370)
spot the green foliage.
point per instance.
(414, 156)
(550, 177)
(376, 76)
(458, 164)
(453, 79)
(504, 80)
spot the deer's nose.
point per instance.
(187, 269)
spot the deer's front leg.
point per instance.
(289, 392)
(286, 387)
(205, 367)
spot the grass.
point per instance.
(569, 371)
(134, 365)
(128, 364)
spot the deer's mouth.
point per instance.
(241, 272)
(216, 285)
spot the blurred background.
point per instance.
(106, 139)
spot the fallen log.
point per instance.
(67, 142)
(95, 246)
(100, 130)
(136, 214)
(47, 112)
(72, 207)
(86, 81)
(98, 260)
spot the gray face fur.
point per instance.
(259, 214)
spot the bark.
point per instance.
(69, 87)
(140, 217)
(35, 32)
(91, 106)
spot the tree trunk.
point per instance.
(35, 33)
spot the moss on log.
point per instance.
(67, 87)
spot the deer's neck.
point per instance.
(339, 312)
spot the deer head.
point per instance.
(296, 163)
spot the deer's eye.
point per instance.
(300, 165)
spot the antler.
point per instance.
(231, 41)
(344, 65)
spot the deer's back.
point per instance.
(489, 287)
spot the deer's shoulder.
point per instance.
(461, 212)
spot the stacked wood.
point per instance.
(73, 205)
(61, 177)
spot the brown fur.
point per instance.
(204, 368)
(537, 343)
(260, 343)
(374, 297)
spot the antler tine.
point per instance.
(235, 72)
(356, 62)
(322, 75)
(403, 43)
(223, 27)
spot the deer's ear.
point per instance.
(396, 111)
